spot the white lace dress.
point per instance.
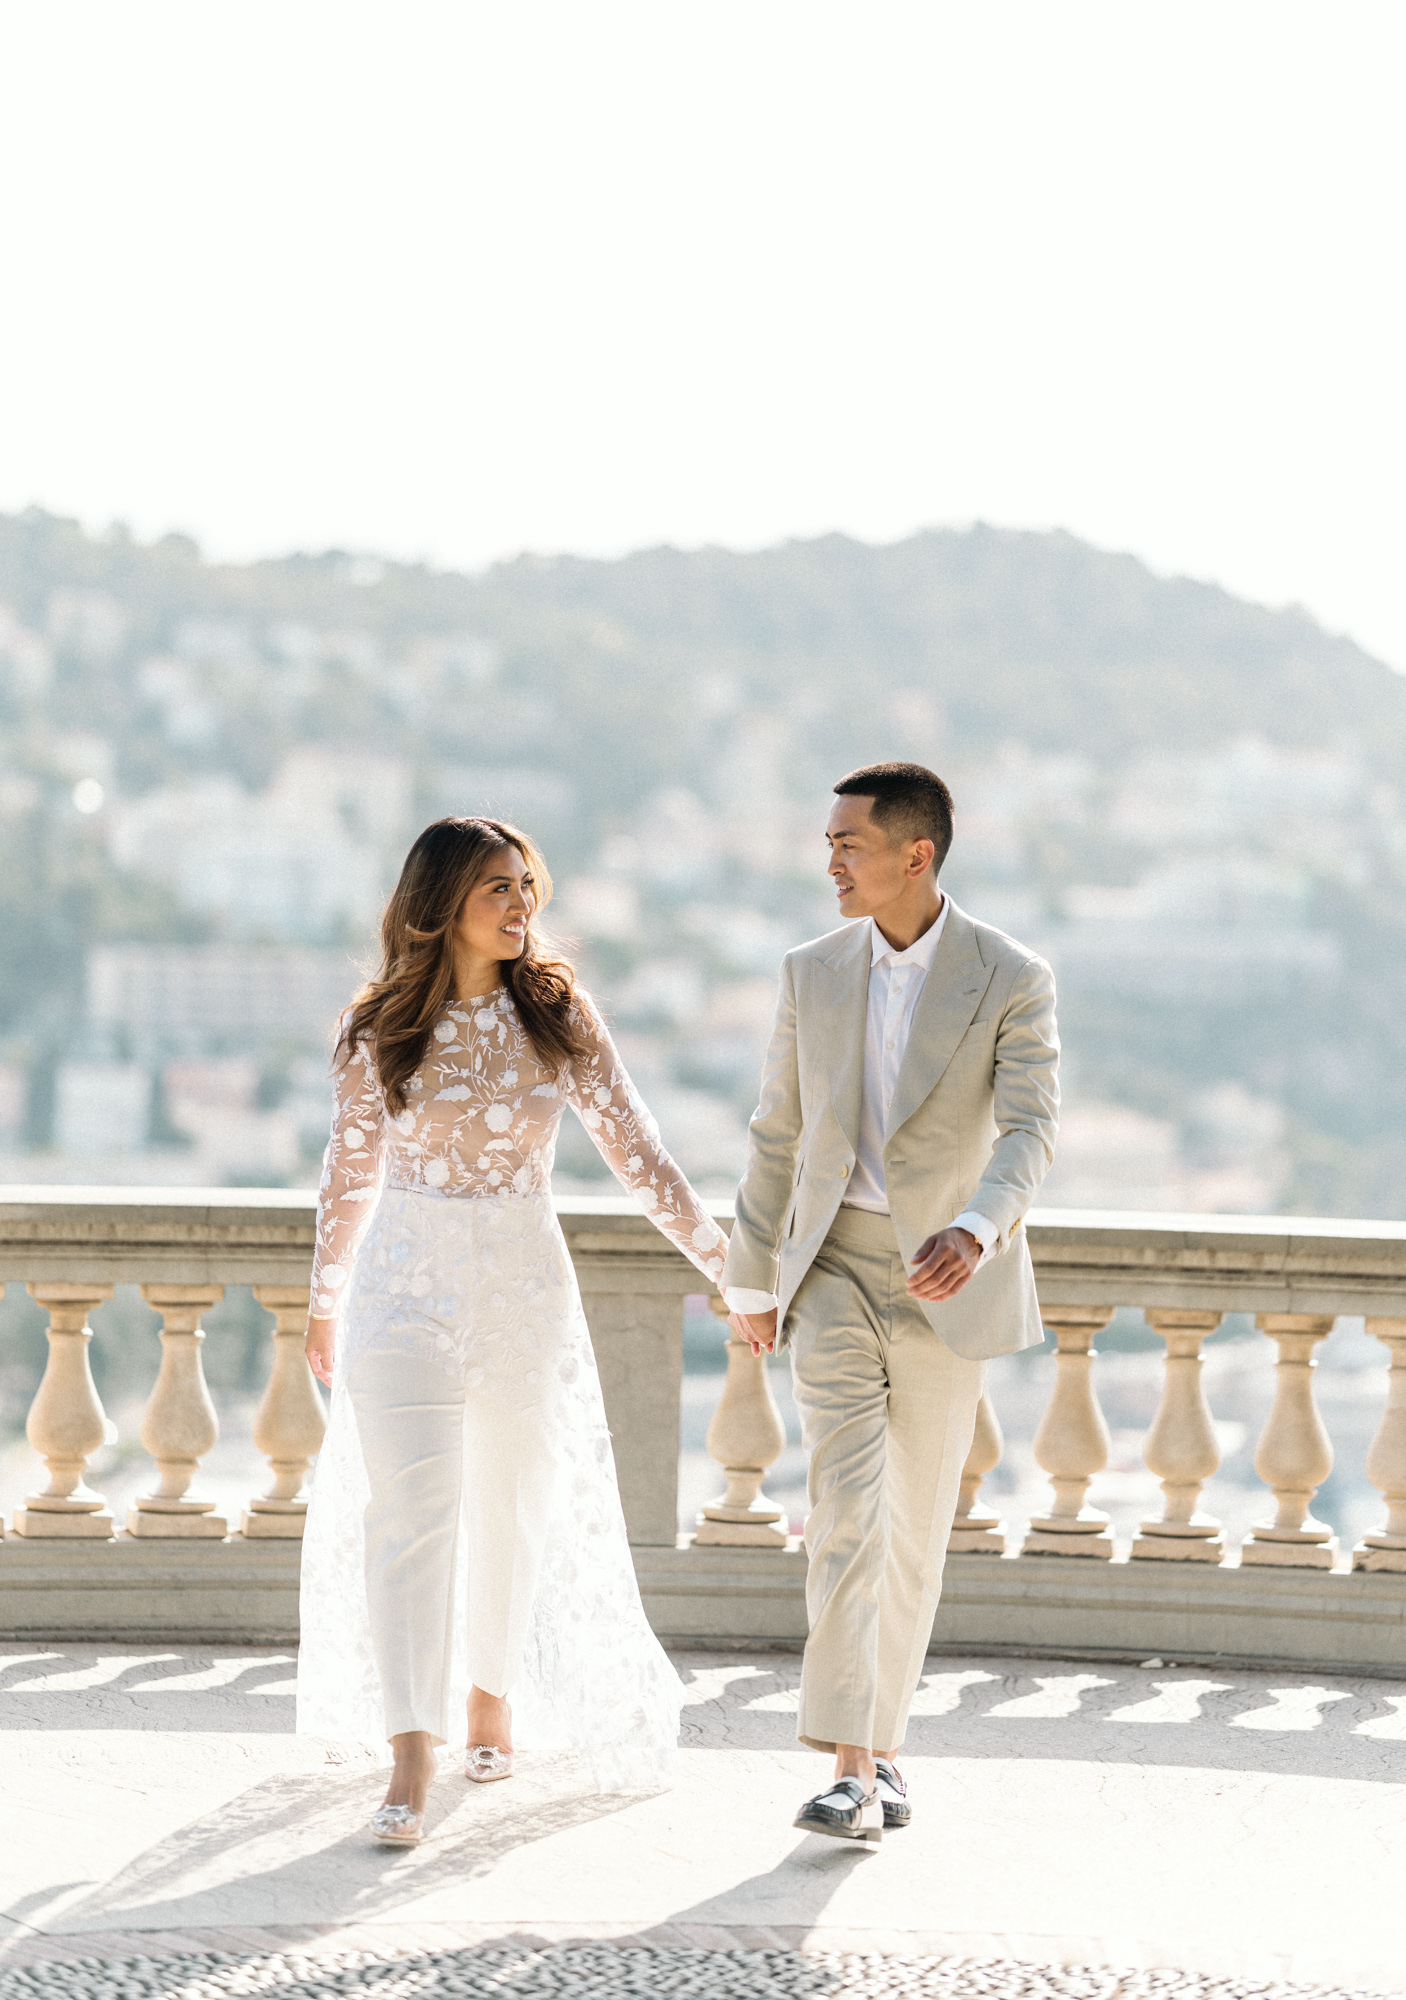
(437, 1238)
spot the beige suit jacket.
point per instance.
(972, 1124)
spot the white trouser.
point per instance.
(430, 1446)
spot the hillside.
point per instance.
(1191, 802)
(1039, 636)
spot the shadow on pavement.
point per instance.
(796, 1892)
(130, 1688)
(295, 1849)
(1356, 1731)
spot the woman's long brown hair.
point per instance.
(396, 1011)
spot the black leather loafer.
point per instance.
(893, 1795)
(844, 1811)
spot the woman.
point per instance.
(465, 1534)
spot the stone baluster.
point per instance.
(1386, 1458)
(291, 1423)
(746, 1436)
(180, 1424)
(1294, 1455)
(976, 1530)
(66, 1422)
(1181, 1446)
(1072, 1441)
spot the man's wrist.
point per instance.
(742, 1299)
(984, 1233)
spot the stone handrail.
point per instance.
(1277, 1263)
(71, 1246)
(183, 1246)
(1224, 1263)
(1296, 1275)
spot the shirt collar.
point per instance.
(921, 953)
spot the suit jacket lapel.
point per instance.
(847, 995)
(950, 997)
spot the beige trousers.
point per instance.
(887, 1412)
(440, 1462)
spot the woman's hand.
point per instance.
(757, 1329)
(321, 1348)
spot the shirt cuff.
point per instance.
(986, 1233)
(738, 1299)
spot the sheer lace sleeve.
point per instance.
(627, 1139)
(351, 1175)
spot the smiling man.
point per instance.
(907, 1118)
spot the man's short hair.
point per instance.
(910, 803)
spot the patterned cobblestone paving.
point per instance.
(608, 1971)
(168, 1834)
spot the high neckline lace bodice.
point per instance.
(480, 1122)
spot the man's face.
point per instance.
(869, 875)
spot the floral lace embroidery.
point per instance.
(481, 1119)
(487, 1290)
(436, 1229)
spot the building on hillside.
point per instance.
(173, 999)
(213, 1102)
(14, 1105)
(102, 1107)
(310, 858)
(1189, 964)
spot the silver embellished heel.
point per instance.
(397, 1826)
(486, 1764)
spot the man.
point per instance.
(907, 1117)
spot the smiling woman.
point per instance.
(465, 1534)
(459, 922)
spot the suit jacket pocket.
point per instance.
(979, 1040)
(790, 1227)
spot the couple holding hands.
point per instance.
(465, 1541)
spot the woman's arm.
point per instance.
(627, 1139)
(351, 1181)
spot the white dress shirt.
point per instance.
(896, 980)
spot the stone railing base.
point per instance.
(1116, 1610)
(1187, 1612)
(138, 1592)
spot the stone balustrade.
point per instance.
(179, 1567)
(184, 1246)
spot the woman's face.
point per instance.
(493, 921)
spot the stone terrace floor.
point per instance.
(1080, 1830)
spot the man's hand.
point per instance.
(321, 1348)
(757, 1329)
(944, 1264)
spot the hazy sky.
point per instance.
(454, 280)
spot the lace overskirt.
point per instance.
(486, 1288)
